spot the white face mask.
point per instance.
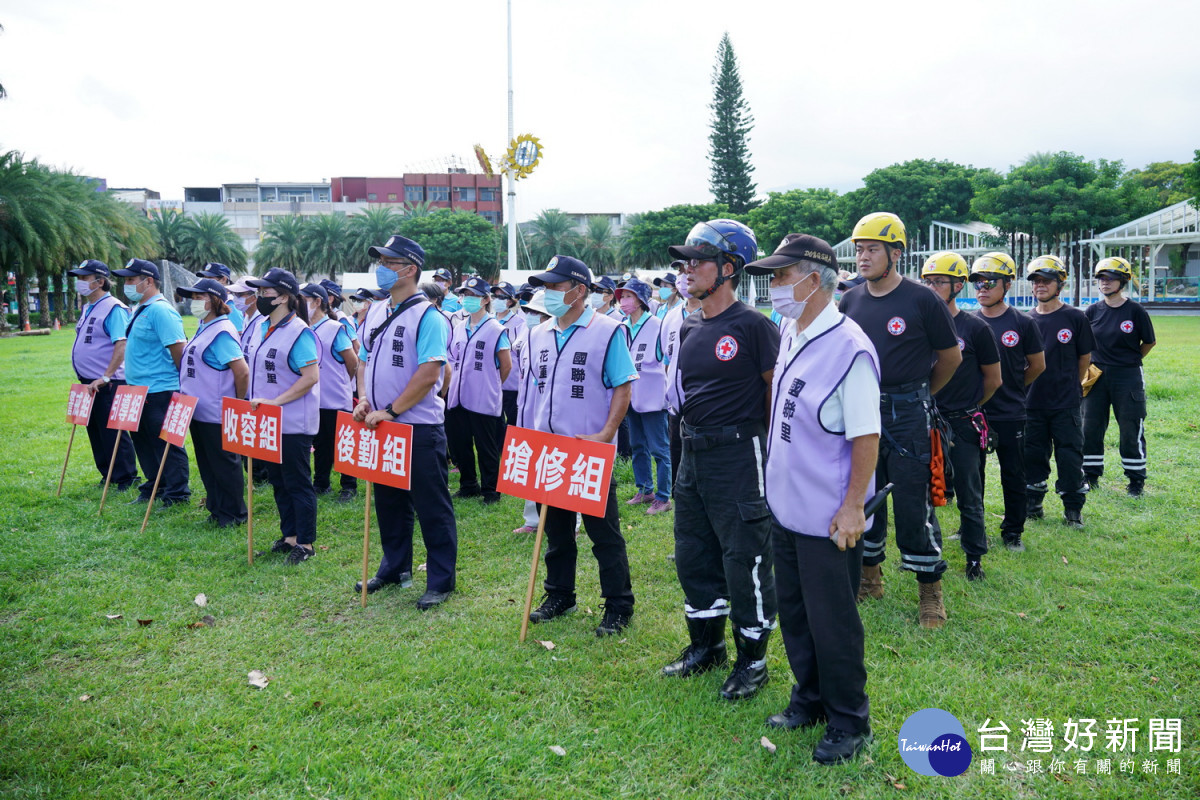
(596, 299)
(82, 287)
(784, 302)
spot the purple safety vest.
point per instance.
(650, 390)
(564, 389)
(200, 380)
(251, 334)
(808, 467)
(515, 325)
(668, 337)
(520, 363)
(475, 378)
(393, 362)
(271, 376)
(92, 350)
(337, 390)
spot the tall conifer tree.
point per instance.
(732, 122)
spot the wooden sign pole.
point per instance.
(250, 510)
(366, 542)
(108, 478)
(533, 569)
(154, 491)
(63, 476)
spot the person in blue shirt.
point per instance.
(339, 366)
(153, 353)
(221, 274)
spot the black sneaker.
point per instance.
(614, 621)
(346, 495)
(491, 498)
(1092, 481)
(281, 546)
(322, 490)
(1012, 542)
(1135, 489)
(1073, 518)
(837, 746)
(553, 605)
(466, 493)
(974, 569)
(376, 583)
(299, 555)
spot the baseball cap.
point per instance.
(240, 287)
(314, 290)
(604, 284)
(89, 267)
(140, 268)
(477, 286)
(204, 286)
(213, 270)
(332, 288)
(665, 280)
(276, 278)
(443, 274)
(563, 268)
(504, 289)
(399, 247)
(795, 247)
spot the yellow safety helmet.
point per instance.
(994, 264)
(1050, 266)
(946, 263)
(881, 227)
(1114, 264)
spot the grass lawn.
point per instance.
(391, 702)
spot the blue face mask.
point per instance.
(472, 304)
(555, 303)
(664, 292)
(133, 294)
(385, 277)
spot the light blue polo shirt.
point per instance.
(155, 326)
(433, 339)
(236, 317)
(618, 363)
(222, 350)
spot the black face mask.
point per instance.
(265, 305)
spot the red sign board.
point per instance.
(560, 471)
(178, 418)
(127, 405)
(79, 404)
(254, 433)
(379, 455)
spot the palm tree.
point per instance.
(169, 226)
(282, 245)
(421, 209)
(22, 224)
(326, 244)
(552, 232)
(371, 227)
(599, 246)
(209, 237)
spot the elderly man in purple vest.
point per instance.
(579, 385)
(822, 449)
(404, 348)
(98, 357)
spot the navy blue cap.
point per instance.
(444, 274)
(604, 284)
(504, 289)
(205, 286)
(139, 268)
(563, 268)
(399, 247)
(638, 288)
(665, 280)
(476, 286)
(215, 270)
(314, 290)
(369, 294)
(332, 288)
(276, 279)
(89, 267)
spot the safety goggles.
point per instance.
(990, 283)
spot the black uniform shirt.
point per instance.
(1120, 333)
(721, 362)
(1018, 337)
(906, 326)
(1066, 336)
(978, 346)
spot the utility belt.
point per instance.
(905, 392)
(965, 413)
(708, 437)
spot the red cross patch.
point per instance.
(1064, 335)
(896, 326)
(1010, 338)
(1127, 326)
(727, 348)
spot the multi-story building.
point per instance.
(456, 189)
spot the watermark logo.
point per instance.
(934, 742)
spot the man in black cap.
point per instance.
(579, 385)
(222, 275)
(98, 356)
(153, 353)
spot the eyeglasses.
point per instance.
(694, 263)
(1038, 280)
(936, 282)
(991, 283)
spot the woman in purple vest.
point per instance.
(284, 371)
(339, 366)
(480, 363)
(98, 357)
(213, 367)
(648, 406)
(514, 322)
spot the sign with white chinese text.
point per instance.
(560, 471)
(253, 433)
(178, 418)
(79, 404)
(382, 454)
(127, 405)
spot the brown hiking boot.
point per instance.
(871, 583)
(932, 613)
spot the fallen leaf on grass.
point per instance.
(558, 751)
(145, 622)
(899, 786)
(258, 679)
(892, 649)
(83, 698)
(114, 616)
(1064, 558)
(549, 645)
(420, 568)
(317, 704)
(767, 744)
(194, 625)
(1021, 614)
(323, 546)
(1153, 679)
(1060, 608)
(201, 600)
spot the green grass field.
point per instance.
(391, 702)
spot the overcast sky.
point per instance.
(172, 94)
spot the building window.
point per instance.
(372, 197)
(391, 197)
(491, 216)
(266, 219)
(414, 194)
(488, 195)
(439, 194)
(466, 194)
